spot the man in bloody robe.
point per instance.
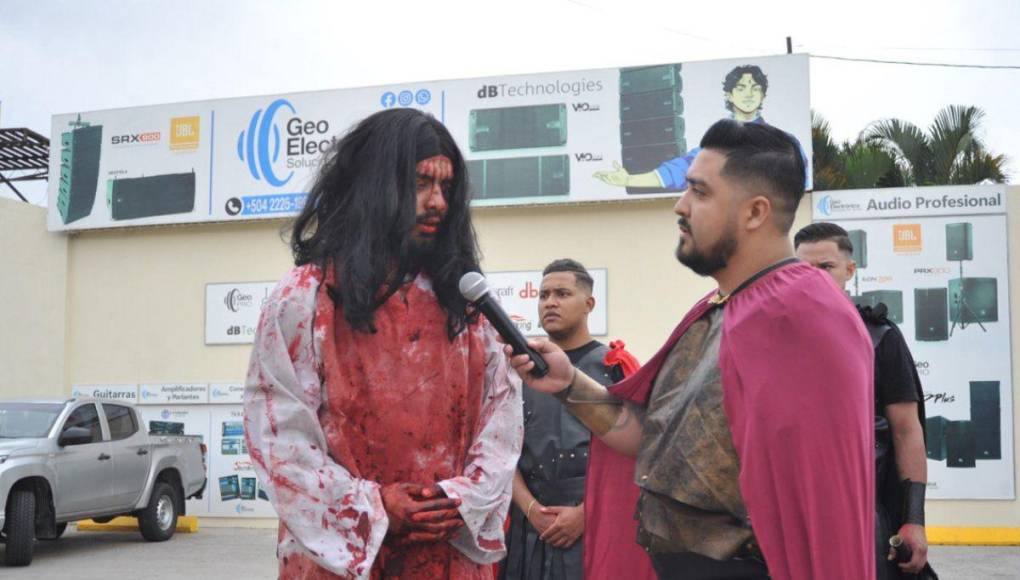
(380, 414)
(752, 426)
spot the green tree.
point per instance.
(949, 152)
(850, 165)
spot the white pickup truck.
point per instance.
(62, 461)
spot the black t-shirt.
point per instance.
(894, 372)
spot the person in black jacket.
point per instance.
(902, 469)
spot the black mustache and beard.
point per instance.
(706, 261)
(423, 247)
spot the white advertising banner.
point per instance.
(125, 393)
(234, 490)
(574, 136)
(186, 420)
(936, 257)
(518, 294)
(232, 311)
(174, 394)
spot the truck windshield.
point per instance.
(23, 420)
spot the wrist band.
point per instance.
(527, 514)
(913, 502)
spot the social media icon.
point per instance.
(405, 98)
(423, 96)
(388, 99)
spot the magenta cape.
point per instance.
(797, 378)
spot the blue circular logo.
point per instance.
(405, 98)
(388, 99)
(423, 96)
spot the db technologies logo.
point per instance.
(165, 414)
(259, 145)
(147, 394)
(389, 99)
(825, 205)
(235, 300)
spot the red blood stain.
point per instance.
(487, 544)
(283, 482)
(292, 348)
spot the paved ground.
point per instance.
(245, 554)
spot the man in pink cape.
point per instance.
(752, 426)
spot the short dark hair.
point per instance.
(734, 76)
(764, 156)
(823, 232)
(581, 275)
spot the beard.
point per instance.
(706, 261)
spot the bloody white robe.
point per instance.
(332, 414)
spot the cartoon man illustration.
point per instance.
(744, 90)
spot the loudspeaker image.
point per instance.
(138, 197)
(519, 176)
(652, 131)
(893, 300)
(960, 445)
(935, 437)
(645, 158)
(79, 170)
(981, 296)
(637, 106)
(985, 414)
(959, 241)
(859, 239)
(518, 127)
(931, 314)
(644, 79)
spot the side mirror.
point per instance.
(74, 436)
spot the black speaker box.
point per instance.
(893, 300)
(79, 172)
(519, 176)
(985, 414)
(931, 314)
(518, 127)
(960, 444)
(644, 79)
(935, 437)
(959, 241)
(139, 197)
(656, 131)
(637, 106)
(859, 239)
(981, 296)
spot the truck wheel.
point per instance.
(20, 528)
(59, 531)
(158, 520)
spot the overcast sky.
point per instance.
(67, 56)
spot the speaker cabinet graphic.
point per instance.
(985, 414)
(518, 127)
(139, 197)
(973, 300)
(79, 170)
(642, 159)
(519, 176)
(959, 242)
(652, 131)
(637, 106)
(893, 300)
(935, 437)
(931, 314)
(645, 79)
(859, 239)
(960, 444)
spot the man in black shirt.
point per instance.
(547, 516)
(902, 469)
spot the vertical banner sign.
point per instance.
(936, 257)
(232, 311)
(563, 137)
(518, 294)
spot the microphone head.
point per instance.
(473, 287)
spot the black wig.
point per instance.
(361, 210)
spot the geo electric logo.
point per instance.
(260, 145)
(825, 205)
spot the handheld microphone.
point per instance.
(476, 291)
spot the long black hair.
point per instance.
(361, 210)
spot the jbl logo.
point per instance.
(184, 133)
(906, 238)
